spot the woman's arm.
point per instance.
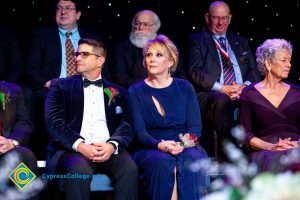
(138, 122)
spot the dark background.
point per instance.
(256, 20)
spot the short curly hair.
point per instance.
(165, 43)
(268, 51)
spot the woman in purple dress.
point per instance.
(162, 107)
(270, 110)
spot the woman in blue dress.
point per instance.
(162, 107)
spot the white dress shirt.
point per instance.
(94, 125)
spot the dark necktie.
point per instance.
(87, 82)
(228, 71)
(70, 56)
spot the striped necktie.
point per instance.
(228, 71)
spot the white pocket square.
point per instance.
(118, 110)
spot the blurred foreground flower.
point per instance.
(239, 180)
(12, 192)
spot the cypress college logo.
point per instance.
(22, 176)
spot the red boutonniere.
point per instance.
(189, 140)
(111, 93)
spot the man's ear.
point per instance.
(100, 61)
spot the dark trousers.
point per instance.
(21, 154)
(217, 110)
(120, 167)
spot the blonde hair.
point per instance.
(166, 44)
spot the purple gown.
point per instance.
(263, 120)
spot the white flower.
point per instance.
(267, 186)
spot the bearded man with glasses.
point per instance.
(220, 65)
(128, 59)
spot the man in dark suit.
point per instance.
(15, 127)
(220, 66)
(90, 126)
(47, 57)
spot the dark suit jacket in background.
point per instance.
(128, 65)
(11, 59)
(44, 56)
(15, 118)
(204, 65)
(64, 112)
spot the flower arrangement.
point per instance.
(111, 92)
(189, 140)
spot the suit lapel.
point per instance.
(237, 50)
(54, 43)
(108, 108)
(77, 102)
(212, 48)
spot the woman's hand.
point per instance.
(284, 144)
(177, 150)
(170, 146)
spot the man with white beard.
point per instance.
(128, 59)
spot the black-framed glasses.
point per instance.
(219, 18)
(84, 54)
(66, 9)
(146, 25)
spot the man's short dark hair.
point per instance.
(97, 45)
(76, 2)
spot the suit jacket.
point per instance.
(128, 65)
(64, 112)
(44, 56)
(204, 65)
(11, 60)
(15, 117)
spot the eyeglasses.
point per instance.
(217, 18)
(146, 25)
(66, 9)
(84, 54)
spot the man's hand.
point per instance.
(88, 150)
(233, 91)
(5, 145)
(105, 151)
(47, 84)
(229, 89)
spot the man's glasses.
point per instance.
(84, 54)
(146, 25)
(66, 9)
(217, 18)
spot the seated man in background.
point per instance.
(128, 57)
(220, 65)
